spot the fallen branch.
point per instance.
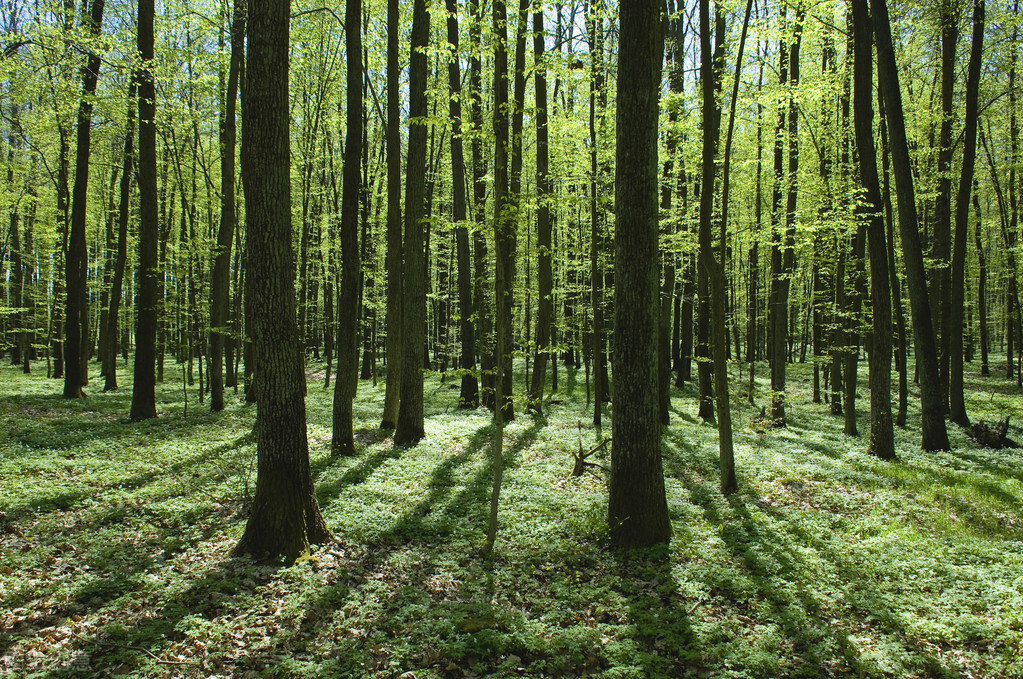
(581, 463)
(993, 436)
(129, 647)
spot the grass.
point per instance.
(115, 540)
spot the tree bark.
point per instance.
(410, 427)
(143, 393)
(285, 516)
(637, 506)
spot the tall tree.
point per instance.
(285, 516)
(934, 434)
(108, 348)
(342, 440)
(468, 396)
(545, 278)
(410, 426)
(76, 321)
(954, 328)
(220, 283)
(143, 391)
(882, 438)
(637, 506)
(393, 264)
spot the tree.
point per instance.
(220, 284)
(469, 396)
(637, 506)
(285, 516)
(882, 440)
(957, 402)
(410, 426)
(143, 391)
(545, 281)
(934, 434)
(76, 327)
(108, 348)
(342, 440)
(392, 387)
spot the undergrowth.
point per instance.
(115, 539)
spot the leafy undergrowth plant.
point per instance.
(115, 539)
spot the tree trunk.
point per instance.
(934, 435)
(469, 391)
(545, 278)
(410, 426)
(76, 322)
(109, 348)
(285, 516)
(985, 369)
(392, 386)
(220, 283)
(342, 440)
(637, 506)
(957, 400)
(882, 437)
(143, 393)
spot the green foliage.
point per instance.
(828, 561)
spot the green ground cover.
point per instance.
(115, 541)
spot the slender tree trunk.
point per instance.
(392, 387)
(342, 440)
(985, 370)
(220, 283)
(637, 506)
(941, 225)
(957, 400)
(545, 278)
(934, 434)
(469, 394)
(109, 348)
(710, 75)
(76, 329)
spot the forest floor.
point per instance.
(115, 540)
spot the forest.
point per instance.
(542, 338)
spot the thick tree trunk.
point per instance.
(143, 393)
(285, 516)
(637, 507)
(410, 426)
